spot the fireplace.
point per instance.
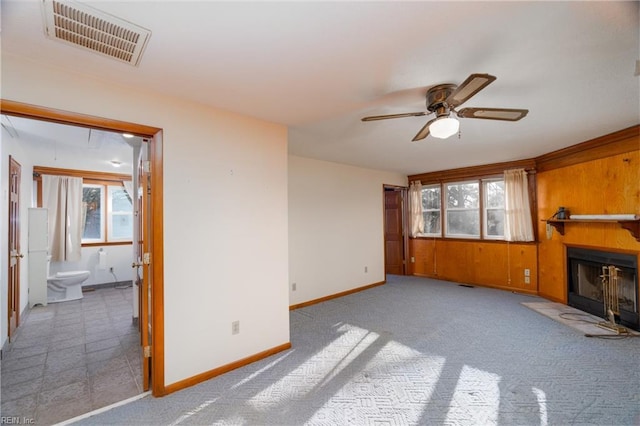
(585, 290)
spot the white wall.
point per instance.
(336, 227)
(225, 214)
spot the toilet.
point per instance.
(64, 286)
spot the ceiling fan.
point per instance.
(443, 100)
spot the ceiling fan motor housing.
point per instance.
(436, 97)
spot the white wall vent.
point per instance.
(80, 25)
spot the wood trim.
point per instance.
(65, 117)
(199, 378)
(631, 225)
(474, 172)
(620, 142)
(108, 243)
(497, 287)
(335, 296)
(626, 140)
(609, 249)
(13, 293)
(157, 265)
(474, 240)
(85, 174)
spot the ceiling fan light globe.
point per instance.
(444, 127)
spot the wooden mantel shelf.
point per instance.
(631, 225)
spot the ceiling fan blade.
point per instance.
(506, 114)
(424, 132)
(384, 117)
(472, 85)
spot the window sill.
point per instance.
(471, 240)
(110, 243)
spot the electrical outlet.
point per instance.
(366, 269)
(235, 327)
(293, 287)
(111, 269)
(527, 280)
(413, 259)
(527, 272)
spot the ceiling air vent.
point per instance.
(82, 26)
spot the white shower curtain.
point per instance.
(62, 196)
(517, 217)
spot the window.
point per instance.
(108, 213)
(493, 209)
(462, 209)
(431, 210)
(467, 209)
(107, 206)
(93, 202)
(120, 214)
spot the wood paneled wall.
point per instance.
(606, 185)
(489, 264)
(600, 176)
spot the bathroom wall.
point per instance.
(119, 257)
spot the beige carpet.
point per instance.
(572, 317)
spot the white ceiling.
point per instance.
(64, 146)
(319, 67)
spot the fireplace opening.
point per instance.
(585, 283)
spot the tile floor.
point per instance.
(71, 358)
(572, 317)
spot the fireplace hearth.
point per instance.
(585, 288)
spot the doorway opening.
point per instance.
(149, 242)
(396, 241)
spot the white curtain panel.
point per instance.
(415, 208)
(62, 196)
(517, 226)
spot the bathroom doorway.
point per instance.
(150, 231)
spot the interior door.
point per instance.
(143, 260)
(393, 235)
(15, 255)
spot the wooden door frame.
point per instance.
(404, 190)
(157, 232)
(13, 293)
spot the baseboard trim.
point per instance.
(199, 378)
(114, 284)
(335, 296)
(497, 287)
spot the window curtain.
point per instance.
(517, 226)
(62, 196)
(415, 208)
